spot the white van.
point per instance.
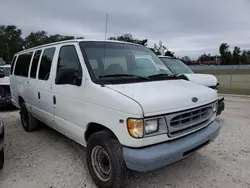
(128, 116)
(179, 68)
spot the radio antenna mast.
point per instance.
(106, 27)
(105, 43)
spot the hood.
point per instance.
(203, 79)
(5, 81)
(160, 97)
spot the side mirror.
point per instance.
(65, 76)
(2, 75)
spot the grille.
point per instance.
(189, 120)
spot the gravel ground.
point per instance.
(47, 159)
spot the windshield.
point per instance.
(6, 70)
(108, 62)
(176, 66)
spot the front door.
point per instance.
(68, 106)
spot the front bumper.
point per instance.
(221, 106)
(160, 155)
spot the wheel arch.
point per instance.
(94, 127)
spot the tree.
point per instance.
(205, 57)
(223, 48)
(159, 49)
(129, 38)
(186, 60)
(169, 53)
(226, 55)
(58, 38)
(248, 57)
(10, 41)
(35, 39)
(245, 57)
(42, 37)
(237, 55)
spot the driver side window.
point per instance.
(68, 59)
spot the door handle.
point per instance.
(54, 99)
(38, 95)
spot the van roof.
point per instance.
(164, 56)
(73, 40)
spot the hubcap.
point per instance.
(101, 163)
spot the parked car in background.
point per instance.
(179, 68)
(5, 96)
(1, 144)
(98, 93)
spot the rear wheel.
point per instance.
(105, 161)
(1, 158)
(28, 121)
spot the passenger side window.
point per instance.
(68, 58)
(45, 65)
(22, 64)
(35, 63)
(12, 64)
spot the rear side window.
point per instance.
(35, 63)
(22, 64)
(68, 58)
(45, 64)
(12, 64)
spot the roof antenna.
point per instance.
(105, 43)
(106, 27)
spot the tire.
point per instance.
(28, 121)
(1, 158)
(117, 175)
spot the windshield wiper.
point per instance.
(123, 75)
(162, 76)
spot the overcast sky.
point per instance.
(188, 27)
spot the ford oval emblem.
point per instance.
(195, 99)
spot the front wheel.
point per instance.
(105, 161)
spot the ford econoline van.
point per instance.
(128, 115)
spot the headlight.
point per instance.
(139, 128)
(155, 126)
(151, 126)
(215, 107)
